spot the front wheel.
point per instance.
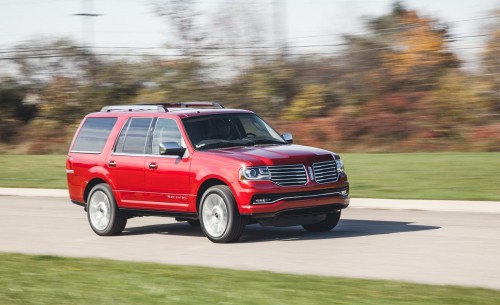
(219, 217)
(331, 220)
(104, 216)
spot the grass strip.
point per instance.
(26, 279)
(33, 171)
(446, 176)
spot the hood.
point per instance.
(273, 154)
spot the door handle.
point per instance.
(112, 164)
(153, 165)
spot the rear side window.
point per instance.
(93, 135)
(133, 137)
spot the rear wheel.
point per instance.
(104, 216)
(219, 217)
(331, 220)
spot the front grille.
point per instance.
(325, 172)
(288, 175)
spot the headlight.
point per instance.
(255, 173)
(340, 165)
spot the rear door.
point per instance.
(167, 177)
(126, 162)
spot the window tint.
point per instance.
(256, 127)
(94, 134)
(229, 130)
(166, 131)
(133, 136)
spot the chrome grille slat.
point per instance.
(288, 175)
(325, 172)
(325, 165)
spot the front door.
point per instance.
(167, 177)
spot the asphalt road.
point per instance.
(416, 246)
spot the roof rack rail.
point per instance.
(196, 104)
(158, 108)
(163, 107)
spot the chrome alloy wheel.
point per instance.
(99, 210)
(215, 215)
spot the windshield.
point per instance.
(230, 130)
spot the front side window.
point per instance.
(133, 137)
(166, 130)
(230, 130)
(93, 135)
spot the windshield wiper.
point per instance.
(218, 144)
(267, 141)
(208, 144)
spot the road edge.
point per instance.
(492, 207)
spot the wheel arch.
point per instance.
(205, 186)
(90, 186)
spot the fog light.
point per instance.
(344, 193)
(262, 200)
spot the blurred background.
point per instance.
(362, 76)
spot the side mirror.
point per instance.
(171, 149)
(288, 137)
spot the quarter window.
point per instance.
(93, 135)
(133, 137)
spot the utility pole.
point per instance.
(87, 22)
(279, 27)
(88, 16)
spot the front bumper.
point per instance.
(265, 199)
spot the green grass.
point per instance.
(54, 280)
(459, 176)
(34, 171)
(451, 176)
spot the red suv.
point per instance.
(198, 162)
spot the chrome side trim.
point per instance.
(147, 155)
(85, 152)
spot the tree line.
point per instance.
(398, 87)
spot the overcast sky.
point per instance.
(133, 22)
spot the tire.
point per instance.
(104, 216)
(219, 217)
(330, 222)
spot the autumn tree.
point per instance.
(416, 51)
(491, 65)
(14, 111)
